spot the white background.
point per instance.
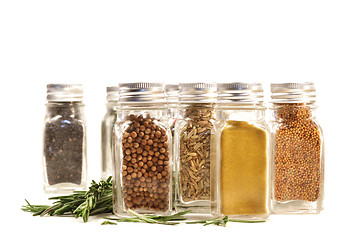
(100, 43)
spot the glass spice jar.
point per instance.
(64, 139)
(143, 153)
(193, 143)
(242, 140)
(297, 176)
(107, 132)
(171, 93)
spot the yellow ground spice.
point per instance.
(297, 154)
(243, 171)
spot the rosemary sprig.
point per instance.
(98, 199)
(175, 219)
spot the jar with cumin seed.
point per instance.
(242, 137)
(298, 150)
(64, 139)
(193, 141)
(143, 156)
(107, 136)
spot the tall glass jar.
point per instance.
(171, 93)
(64, 139)
(143, 154)
(242, 139)
(107, 133)
(297, 176)
(193, 143)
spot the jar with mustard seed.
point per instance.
(194, 147)
(143, 150)
(241, 185)
(297, 173)
(107, 136)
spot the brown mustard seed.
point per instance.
(146, 183)
(297, 154)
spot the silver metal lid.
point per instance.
(240, 93)
(293, 92)
(64, 92)
(171, 93)
(112, 94)
(141, 92)
(197, 92)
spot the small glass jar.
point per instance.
(171, 93)
(193, 143)
(107, 132)
(64, 139)
(143, 153)
(297, 174)
(242, 139)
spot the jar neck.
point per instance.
(111, 106)
(293, 111)
(65, 109)
(141, 105)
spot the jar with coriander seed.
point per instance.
(297, 176)
(194, 147)
(242, 138)
(107, 133)
(64, 139)
(143, 155)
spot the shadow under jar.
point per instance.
(193, 141)
(298, 150)
(64, 139)
(143, 151)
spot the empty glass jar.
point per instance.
(64, 139)
(107, 133)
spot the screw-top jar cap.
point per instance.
(240, 93)
(64, 92)
(112, 94)
(171, 93)
(293, 92)
(197, 92)
(141, 92)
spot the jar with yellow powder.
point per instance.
(241, 184)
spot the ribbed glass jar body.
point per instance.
(143, 158)
(64, 147)
(297, 173)
(107, 140)
(193, 148)
(241, 185)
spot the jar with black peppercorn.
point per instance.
(194, 147)
(64, 139)
(143, 154)
(297, 173)
(107, 136)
